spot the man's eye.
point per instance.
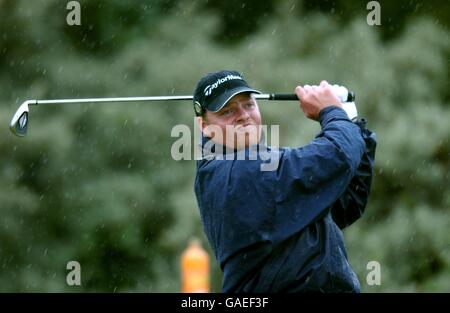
(250, 105)
(227, 112)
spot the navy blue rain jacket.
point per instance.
(280, 230)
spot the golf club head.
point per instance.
(19, 122)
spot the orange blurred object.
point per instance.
(194, 268)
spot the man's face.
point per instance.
(236, 125)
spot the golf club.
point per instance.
(19, 122)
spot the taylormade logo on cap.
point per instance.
(214, 90)
(208, 89)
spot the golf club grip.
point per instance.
(293, 96)
(283, 96)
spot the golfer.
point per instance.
(280, 230)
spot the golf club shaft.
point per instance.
(19, 122)
(276, 96)
(121, 99)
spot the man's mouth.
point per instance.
(244, 125)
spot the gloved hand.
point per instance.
(349, 107)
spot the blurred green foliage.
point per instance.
(97, 183)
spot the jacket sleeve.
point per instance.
(350, 206)
(310, 179)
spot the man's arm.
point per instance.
(310, 179)
(350, 206)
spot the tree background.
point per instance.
(97, 183)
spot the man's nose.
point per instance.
(243, 115)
